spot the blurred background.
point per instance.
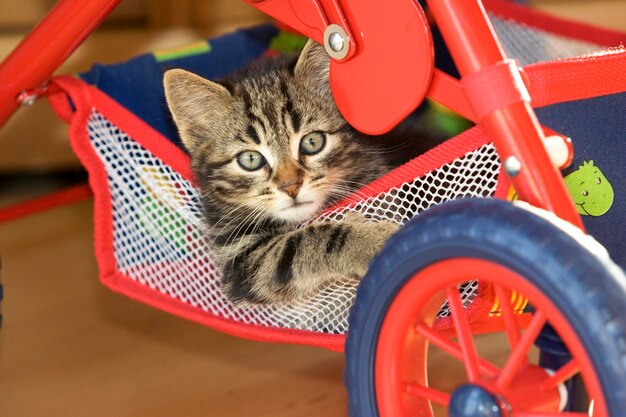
(71, 347)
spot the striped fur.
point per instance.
(253, 216)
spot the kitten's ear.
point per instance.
(195, 103)
(313, 63)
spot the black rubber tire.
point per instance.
(545, 250)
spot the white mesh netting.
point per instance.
(531, 45)
(158, 229)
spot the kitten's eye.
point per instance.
(251, 160)
(312, 143)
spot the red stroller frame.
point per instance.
(473, 44)
(381, 372)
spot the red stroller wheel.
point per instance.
(398, 316)
(401, 388)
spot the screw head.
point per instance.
(512, 166)
(335, 41)
(28, 100)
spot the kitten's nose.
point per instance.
(291, 188)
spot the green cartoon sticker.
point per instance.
(591, 191)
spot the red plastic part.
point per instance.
(304, 16)
(464, 334)
(514, 128)
(47, 46)
(392, 69)
(390, 64)
(401, 354)
(448, 91)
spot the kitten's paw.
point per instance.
(386, 228)
(373, 235)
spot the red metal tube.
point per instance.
(36, 205)
(514, 129)
(47, 46)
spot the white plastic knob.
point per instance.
(558, 150)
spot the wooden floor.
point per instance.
(71, 347)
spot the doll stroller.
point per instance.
(461, 267)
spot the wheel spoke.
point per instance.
(564, 373)
(464, 334)
(453, 349)
(428, 393)
(510, 324)
(518, 355)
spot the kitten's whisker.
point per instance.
(360, 184)
(361, 187)
(241, 224)
(357, 192)
(245, 221)
(235, 217)
(254, 223)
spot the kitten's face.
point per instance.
(272, 145)
(286, 175)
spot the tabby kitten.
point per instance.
(270, 151)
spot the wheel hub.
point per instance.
(475, 401)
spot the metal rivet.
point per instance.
(336, 41)
(512, 166)
(27, 100)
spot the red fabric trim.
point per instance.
(502, 81)
(85, 95)
(549, 23)
(448, 151)
(59, 198)
(60, 103)
(85, 98)
(79, 140)
(130, 288)
(143, 133)
(577, 78)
